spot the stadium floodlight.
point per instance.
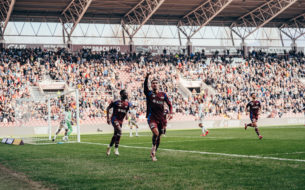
(192, 22)
(252, 21)
(38, 119)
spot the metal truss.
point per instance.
(252, 21)
(72, 15)
(158, 34)
(295, 27)
(139, 15)
(6, 9)
(191, 23)
(83, 30)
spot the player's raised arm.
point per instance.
(168, 102)
(146, 89)
(108, 108)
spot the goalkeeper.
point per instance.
(65, 123)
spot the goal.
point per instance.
(38, 119)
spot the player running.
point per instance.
(132, 121)
(120, 109)
(65, 123)
(255, 107)
(201, 117)
(155, 112)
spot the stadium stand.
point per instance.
(100, 75)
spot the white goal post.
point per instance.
(38, 119)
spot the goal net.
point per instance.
(48, 119)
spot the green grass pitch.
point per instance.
(225, 159)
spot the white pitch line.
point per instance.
(207, 153)
(287, 153)
(69, 142)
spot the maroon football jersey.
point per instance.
(120, 109)
(155, 103)
(254, 106)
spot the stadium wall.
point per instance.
(209, 50)
(178, 125)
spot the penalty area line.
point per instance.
(207, 153)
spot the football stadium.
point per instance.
(152, 94)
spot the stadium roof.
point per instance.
(169, 13)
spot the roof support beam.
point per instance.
(191, 23)
(294, 28)
(139, 15)
(179, 36)
(281, 37)
(252, 21)
(72, 15)
(6, 9)
(232, 39)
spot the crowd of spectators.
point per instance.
(275, 79)
(100, 75)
